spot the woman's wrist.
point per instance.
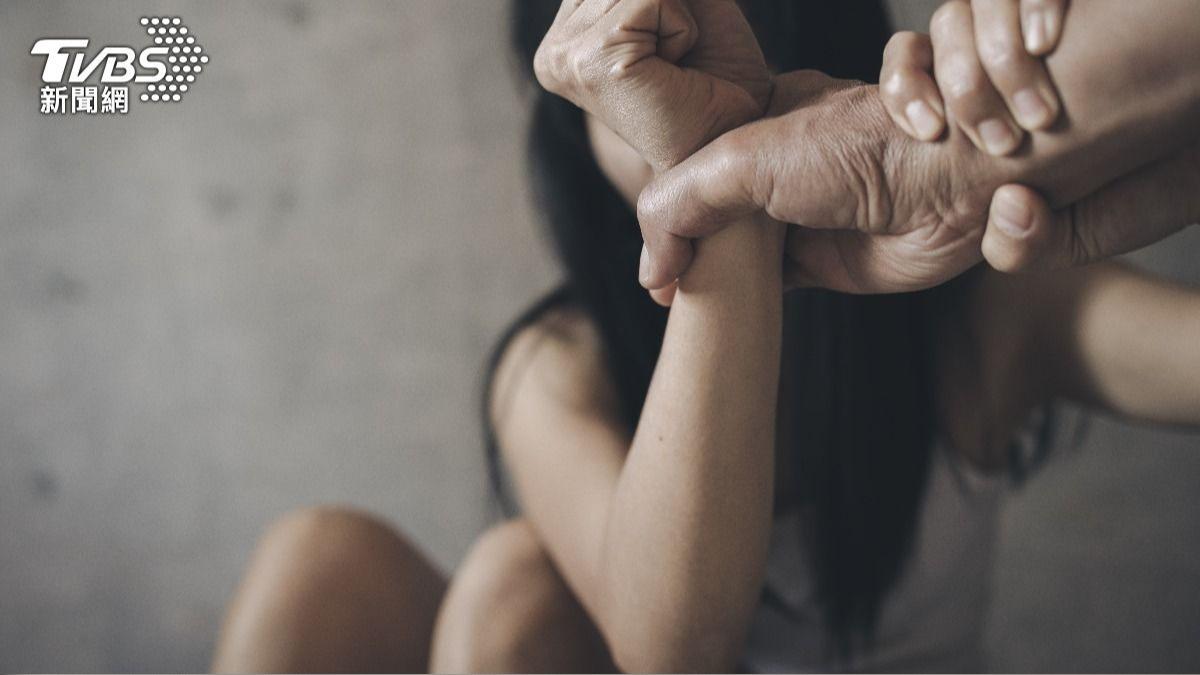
(746, 256)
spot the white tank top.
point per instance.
(932, 619)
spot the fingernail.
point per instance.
(998, 137)
(1035, 32)
(644, 267)
(924, 120)
(1050, 25)
(1011, 215)
(1031, 108)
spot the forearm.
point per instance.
(686, 539)
(1129, 346)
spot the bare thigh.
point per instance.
(332, 590)
(509, 610)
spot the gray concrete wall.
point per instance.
(280, 292)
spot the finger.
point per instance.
(665, 257)
(587, 12)
(677, 32)
(907, 87)
(632, 90)
(971, 100)
(1023, 233)
(694, 199)
(569, 63)
(666, 295)
(565, 8)
(553, 64)
(751, 169)
(1020, 78)
(669, 22)
(1041, 24)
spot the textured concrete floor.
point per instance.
(280, 292)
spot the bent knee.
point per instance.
(508, 608)
(327, 535)
(317, 527)
(320, 541)
(508, 552)
(508, 571)
(331, 585)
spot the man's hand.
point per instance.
(667, 76)
(1024, 233)
(980, 65)
(882, 214)
(877, 211)
(981, 61)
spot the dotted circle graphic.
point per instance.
(184, 58)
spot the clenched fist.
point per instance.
(668, 76)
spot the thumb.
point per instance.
(1025, 234)
(696, 198)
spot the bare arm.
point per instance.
(1124, 342)
(666, 547)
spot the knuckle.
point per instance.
(960, 80)
(565, 69)
(543, 68)
(579, 66)
(1000, 54)
(893, 45)
(649, 206)
(947, 19)
(549, 66)
(735, 160)
(658, 211)
(895, 86)
(902, 88)
(902, 45)
(904, 85)
(729, 151)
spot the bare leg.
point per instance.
(509, 610)
(331, 590)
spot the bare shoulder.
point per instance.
(556, 363)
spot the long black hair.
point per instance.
(857, 387)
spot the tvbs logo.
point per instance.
(118, 62)
(168, 68)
